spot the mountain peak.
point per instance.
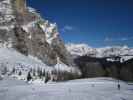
(23, 29)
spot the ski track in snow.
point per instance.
(82, 89)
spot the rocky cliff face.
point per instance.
(22, 28)
(25, 30)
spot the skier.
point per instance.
(118, 86)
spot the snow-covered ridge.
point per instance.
(84, 49)
(79, 49)
(50, 29)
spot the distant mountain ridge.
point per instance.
(113, 61)
(83, 49)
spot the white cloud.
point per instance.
(108, 39)
(67, 28)
(124, 39)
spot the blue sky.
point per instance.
(95, 22)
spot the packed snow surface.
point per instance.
(82, 89)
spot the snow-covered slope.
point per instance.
(80, 49)
(11, 59)
(83, 49)
(83, 89)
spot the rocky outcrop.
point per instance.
(27, 34)
(25, 30)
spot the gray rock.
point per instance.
(26, 31)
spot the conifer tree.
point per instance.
(29, 76)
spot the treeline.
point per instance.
(32, 74)
(100, 67)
